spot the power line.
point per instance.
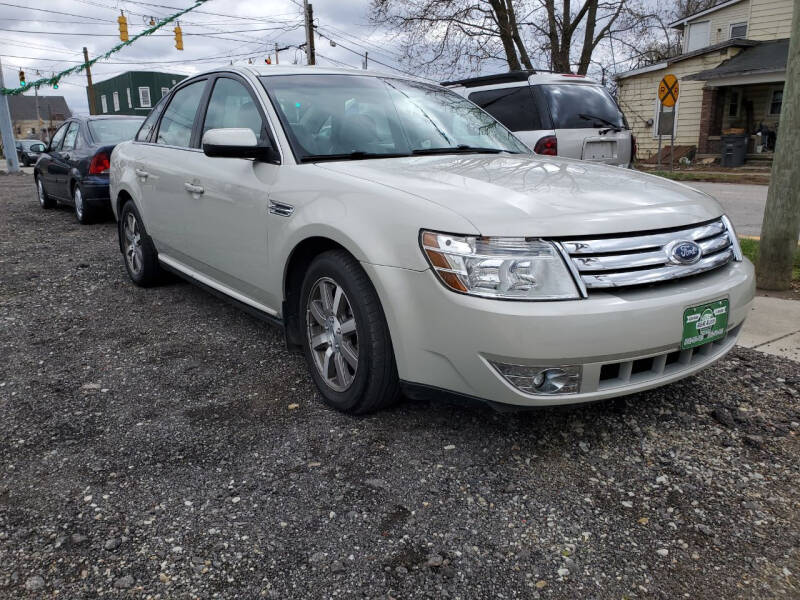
(88, 34)
(52, 12)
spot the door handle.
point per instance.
(193, 189)
(140, 173)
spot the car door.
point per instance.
(163, 167)
(45, 171)
(60, 163)
(229, 197)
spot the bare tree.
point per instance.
(461, 34)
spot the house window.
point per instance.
(104, 103)
(164, 92)
(115, 97)
(734, 100)
(130, 104)
(698, 36)
(144, 97)
(738, 30)
(776, 102)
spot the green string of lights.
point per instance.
(55, 78)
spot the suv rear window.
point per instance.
(513, 107)
(578, 106)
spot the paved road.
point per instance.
(743, 203)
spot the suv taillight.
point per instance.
(548, 145)
(99, 164)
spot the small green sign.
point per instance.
(705, 323)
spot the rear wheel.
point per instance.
(83, 213)
(45, 201)
(346, 342)
(141, 258)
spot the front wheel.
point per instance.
(346, 343)
(141, 259)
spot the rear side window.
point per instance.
(178, 120)
(150, 122)
(513, 107)
(72, 135)
(577, 106)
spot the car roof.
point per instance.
(267, 70)
(532, 77)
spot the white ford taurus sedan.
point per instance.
(408, 242)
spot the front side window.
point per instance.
(70, 137)
(150, 122)
(581, 106)
(231, 105)
(513, 107)
(58, 137)
(178, 120)
(144, 97)
(354, 116)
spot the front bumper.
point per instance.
(446, 340)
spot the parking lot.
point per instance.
(161, 444)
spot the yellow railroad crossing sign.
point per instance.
(668, 90)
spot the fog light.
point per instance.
(540, 379)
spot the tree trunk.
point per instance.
(523, 53)
(781, 226)
(506, 33)
(588, 39)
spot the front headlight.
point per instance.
(508, 268)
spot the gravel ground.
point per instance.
(161, 444)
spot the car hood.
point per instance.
(539, 196)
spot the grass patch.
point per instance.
(750, 250)
(712, 177)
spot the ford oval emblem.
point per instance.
(683, 252)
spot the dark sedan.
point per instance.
(74, 168)
(28, 151)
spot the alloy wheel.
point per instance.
(133, 244)
(77, 197)
(332, 334)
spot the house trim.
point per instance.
(750, 79)
(682, 22)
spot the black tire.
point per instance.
(26, 162)
(142, 266)
(374, 384)
(84, 213)
(45, 201)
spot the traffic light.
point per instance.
(178, 38)
(21, 77)
(123, 27)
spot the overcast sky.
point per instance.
(242, 29)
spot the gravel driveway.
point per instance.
(160, 444)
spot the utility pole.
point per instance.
(366, 60)
(781, 226)
(309, 14)
(92, 107)
(7, 130)
(38, 117)
(276, 53)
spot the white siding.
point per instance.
(770, 19)
(720, 22)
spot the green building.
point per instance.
(132, 93)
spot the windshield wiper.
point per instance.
(611, 125)
(357, 155)
(460, 149)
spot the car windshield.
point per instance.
(581, 106)
(340, 117)
(112, 131)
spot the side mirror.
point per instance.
(234, 143)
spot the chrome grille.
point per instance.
(641, 259)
